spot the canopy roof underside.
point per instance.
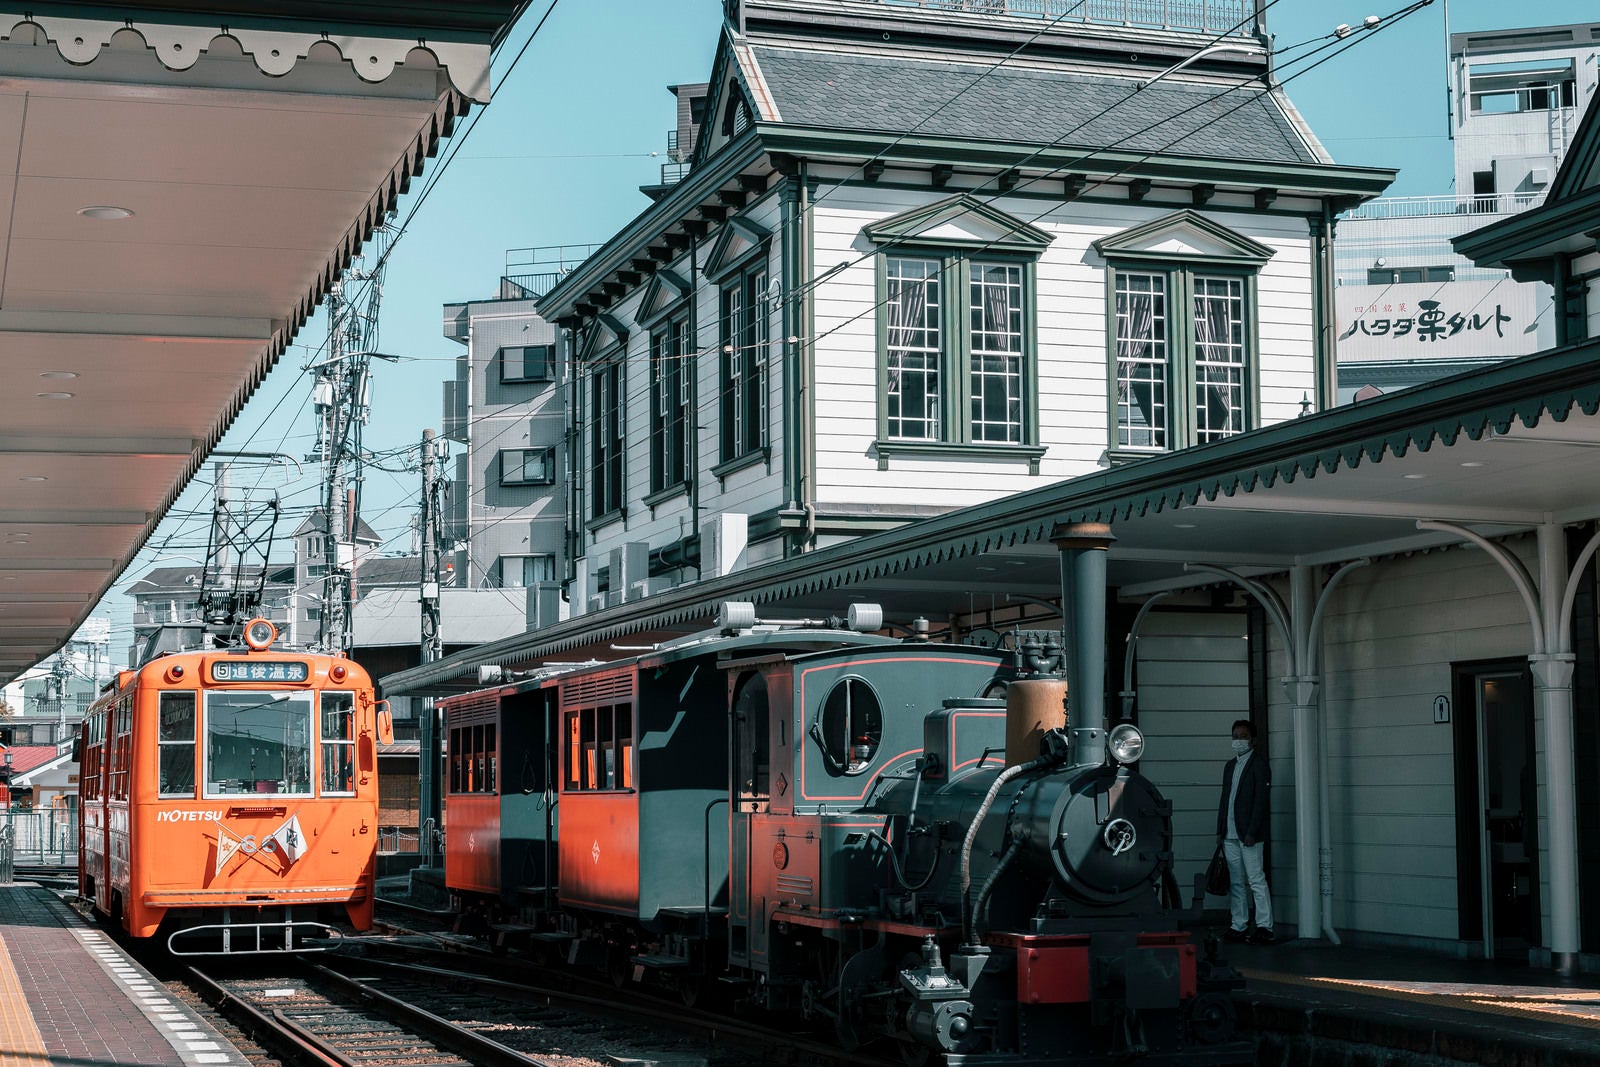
(250, 156)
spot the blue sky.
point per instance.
(559, 155)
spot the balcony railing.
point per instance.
(673, 173)
(1232, 17)
(535, 271)
(1416, 207)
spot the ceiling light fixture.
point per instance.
(105, 212)
(1413, 477)
(1183, 525)
(55, 396)
(59, 374)
(33, 478)
(1474, 464)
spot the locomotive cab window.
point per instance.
(258, 742)
(176, 742)
(338, 743)
(751, 713)
(850, 726)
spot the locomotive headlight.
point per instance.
(1126, 743)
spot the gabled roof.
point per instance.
(1564, 223)
(735, 242)
(26, 758)
(1184, 235)
(317, 522)
(898, 94)
(960, 220)
(389, 571)
(665, 291)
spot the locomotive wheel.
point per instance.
(856, 978)
(692, 988)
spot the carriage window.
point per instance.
(176, 743)
(338, 743)
(600, 748)
(122, 749)
(258, 742)
(850, 726)
(472, 759)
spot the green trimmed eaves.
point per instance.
(1544, 231)
(649, 225)
(1298, 179)
(1526, 390)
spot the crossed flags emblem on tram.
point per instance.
(288, 840)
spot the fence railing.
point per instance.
(42, 836)
(1233, 17)
(398, 839)
(1413, 207)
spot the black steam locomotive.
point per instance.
(902, 840)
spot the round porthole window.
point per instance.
(851, 726)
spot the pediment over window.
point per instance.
(666, 291)
(738, 241)
(960, 221)
(1184, 236)
(605, 333)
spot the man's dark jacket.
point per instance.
(1250, 810)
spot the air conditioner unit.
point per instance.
(723, 540)
(630, 572)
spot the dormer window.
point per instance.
(958, 330)
(1183, 358)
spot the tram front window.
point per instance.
(258, 742)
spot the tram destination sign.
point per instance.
(256, 670)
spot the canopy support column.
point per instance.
(1549, 608)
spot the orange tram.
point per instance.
(230, 798)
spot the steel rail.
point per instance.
(258, 1024)
(476, 1047)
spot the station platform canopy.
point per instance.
(183, 182)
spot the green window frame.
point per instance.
(745, 338)
(671, 404)
(1183, 357)
(958, 365)
(607, 411)
(1183, 338)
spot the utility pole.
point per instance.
(341, 397)
(430, 527)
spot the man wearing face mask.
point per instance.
(1242, 825)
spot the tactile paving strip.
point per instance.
(22, 1046)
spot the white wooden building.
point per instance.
(1401, 594)
(859, 309)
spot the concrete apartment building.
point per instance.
(1410, 307)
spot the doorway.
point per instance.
(1497, 845)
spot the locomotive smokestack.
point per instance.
(1083, 548)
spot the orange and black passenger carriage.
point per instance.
(230, 798)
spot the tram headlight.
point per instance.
(1126, 743)
(259, 634)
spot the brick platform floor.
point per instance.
(71, 997)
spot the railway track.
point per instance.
(322, 1018)
(724, 1039)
